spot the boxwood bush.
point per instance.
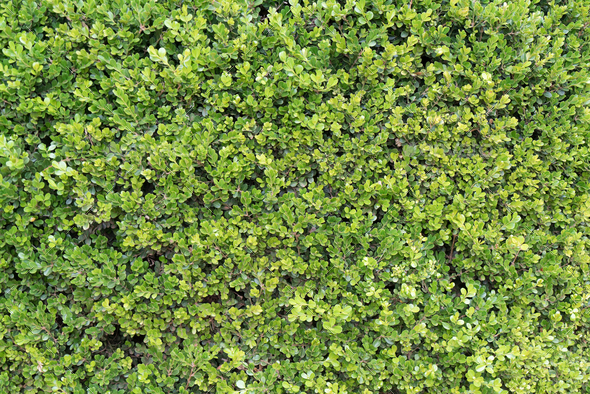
(255, 196)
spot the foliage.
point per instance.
(247, 196)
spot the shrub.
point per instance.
(240, 196)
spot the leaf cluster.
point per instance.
(250, 196)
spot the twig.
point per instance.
(452, 248)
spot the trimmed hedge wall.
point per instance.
(239, 196)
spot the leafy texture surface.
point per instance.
(238, 196)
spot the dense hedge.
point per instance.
(240, 196)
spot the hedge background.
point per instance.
(239, 196)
